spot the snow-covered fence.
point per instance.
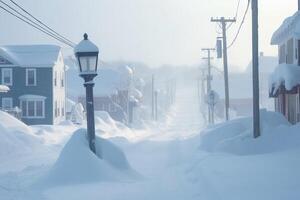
(16, 112)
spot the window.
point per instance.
(290, 52)
(282, 56)
(30, 77)
(63, 109)
(32, 106)
(62, 83)
(56, 109)
(7, 103)
(39, 108)
(112, 108)
(55, 78)
(7, 76)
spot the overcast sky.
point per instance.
(155, 32)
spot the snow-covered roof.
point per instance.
(267, 65)
(136, 93)
(31, 55)
(284, 75)
(86, 46)
(4, 88)
(290, 28)
(126, 70)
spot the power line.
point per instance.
(32, 23)
(36, 27)
(38, 20)
(236, 13)
(241, 25)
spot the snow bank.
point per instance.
(77, 164)
(15, 136)
(105, 124)
(284, 74)
(236, 136)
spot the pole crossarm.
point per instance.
(222, 19)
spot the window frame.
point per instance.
(3, 100)
(35, 116)
(11, 76)
(34, 75)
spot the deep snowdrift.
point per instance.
(16, 137)
(236, 136)
(77, 164)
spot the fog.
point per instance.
(153, 32)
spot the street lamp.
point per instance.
(87, 56)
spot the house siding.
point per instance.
(42, 88)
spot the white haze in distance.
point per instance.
(155, 32)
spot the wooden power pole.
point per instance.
(255, 71)
(224, 22)
(209, 79)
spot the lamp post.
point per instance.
(87, 55)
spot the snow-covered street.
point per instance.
(159, 156)
(167, 160)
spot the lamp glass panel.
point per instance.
(88, 63)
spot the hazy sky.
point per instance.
(155, 32)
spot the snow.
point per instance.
(126, 71)
(168, 159)
(285, 74)
(236, 136)
(77, 164)
(69, 105)
(290, 28)
(4, 88)
(31, 55)
(136, 93)
(77, 113)
(86, 46)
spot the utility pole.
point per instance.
(255, 71)
(152, 95)
(156, 106)
(223, 22)
(202, 91)
(208, 79)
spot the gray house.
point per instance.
(35, 75)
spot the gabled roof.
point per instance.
(267, 64)
(31, 55)
(290, 28)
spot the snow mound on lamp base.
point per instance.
(77, 164)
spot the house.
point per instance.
(284, 83)
(35, 75)
(111, 93)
